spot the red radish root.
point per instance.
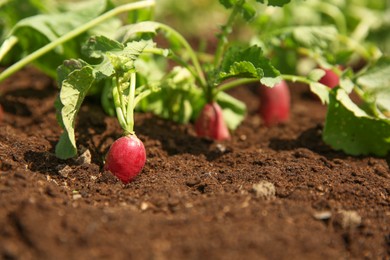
(330, 79)
(126, 158)
(275, 104)
(210, 123)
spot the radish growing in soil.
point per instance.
(126, 158)
(210, 123)
(274, 103)
(127, 155)
(330, 79)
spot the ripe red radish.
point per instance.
(210, 123)
(330, 79)
(126, 158)
(274, 103)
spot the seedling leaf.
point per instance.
(274, 2)
(234, 110)
(37, 31)
(352, 130)
(73, 91)
(246, 63)
(375, 82)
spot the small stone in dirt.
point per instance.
(85, 157)
(348, 219)
(64, 170)
(264, 190)
(221, 148)
(193, 182)
(76, 195)
(144, 206)
(243, 137)
(322, 215)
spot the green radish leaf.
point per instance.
(231, 3)
(375, 82)
(175, 98)
(352, 130)
(73, 91)
(270, 82)
(98, 45)
(246, 63)
(132, 31)
(234, 110)
(228, 3)
(316, 74)
(321, 91)
(314, 36)
(274, 2)
(248, 12)
(180, 100)
(113, 55)
(68, 67)
(37, 31)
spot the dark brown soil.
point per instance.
(195, 198)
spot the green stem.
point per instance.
(118, 107)
(333, 12)
(188, 47)
(7, 45)
(226, 29)
(121, 95)
(234, 83)
(142, 95)
(295, 78)
(175, 58)
(77, 31)
(355, 46)
(243, 81)
(130, 106)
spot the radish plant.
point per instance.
(114, 67)
(213, 111)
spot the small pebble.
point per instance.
(264, 190)
(221, 148)
(77, 196)
(322, 215)
(348, 219)
(85, 157)
(64, 172)
(144, 206)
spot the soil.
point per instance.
(269, 193)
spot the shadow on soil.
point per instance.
(310, 139)
(176, 138)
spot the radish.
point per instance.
(210, 123)
(274, 104)
(330, 79)
(126, 158)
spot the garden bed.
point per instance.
(194, 198)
